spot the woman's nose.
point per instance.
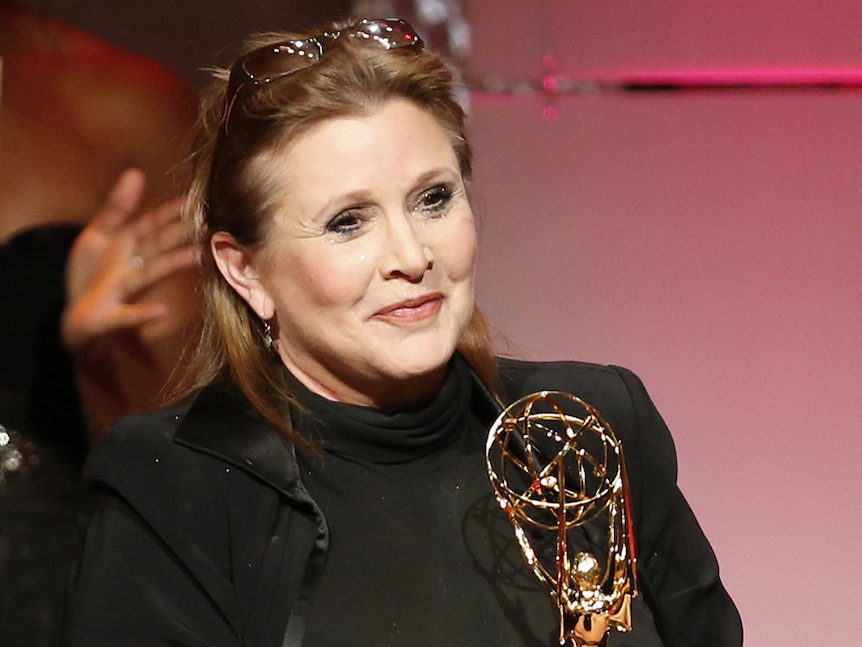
(406, 255)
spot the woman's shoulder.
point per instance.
(210, 435)
(139, 445)
(587, 380)
(616, 392)
(182, 508)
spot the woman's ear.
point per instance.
(238, 268)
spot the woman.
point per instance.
(325, 483)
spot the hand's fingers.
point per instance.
(130, 316)
(174, 235)
(133, 315)
(168, 212)
(170, 236)
(122, 276)
(121, 203)
(157, 268)
(82, 326)
(161, 216)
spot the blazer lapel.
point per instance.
(221, 423)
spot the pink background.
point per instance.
(710, 241)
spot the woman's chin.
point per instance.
(410, 386)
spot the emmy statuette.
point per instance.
(558, 473)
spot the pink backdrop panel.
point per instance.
(711, 242)
(610, 39)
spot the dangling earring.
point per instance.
(267, 334)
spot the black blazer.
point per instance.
(203, 533)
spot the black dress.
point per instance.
(42, 438)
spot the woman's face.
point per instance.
(368, 266)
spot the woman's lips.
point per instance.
(411, 310)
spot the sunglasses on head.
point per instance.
(276, 61)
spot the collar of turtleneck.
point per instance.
(382, 436)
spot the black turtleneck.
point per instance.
(420, 555)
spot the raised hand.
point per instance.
(118, 256)
(130, 300)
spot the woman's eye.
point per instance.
(436, 200)
(345, 223)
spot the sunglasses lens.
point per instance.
(391, 34)
(269, 63)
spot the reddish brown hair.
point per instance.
(351, 79)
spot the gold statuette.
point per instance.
(558, 472)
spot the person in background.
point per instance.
(75, 114)
(323, 482)
(97, 282)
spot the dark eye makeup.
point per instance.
(345, 223)
(435, 200)
(432, 202)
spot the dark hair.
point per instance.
(228, 195)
